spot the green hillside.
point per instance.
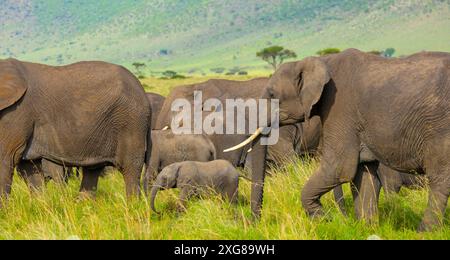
(193, 36)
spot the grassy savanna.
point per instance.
(164, 86)
(58, 213)
(195, 36)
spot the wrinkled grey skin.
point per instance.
(37, 172)
(198, 178)
(390, 180)
(221, 90)
(88, 114)
(156, 102)
(398, 108)
(169, 148)
(61, 174)
(295, 140)
(290, 142)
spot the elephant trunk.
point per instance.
(259, 154)
(153, 193)
(320, 183)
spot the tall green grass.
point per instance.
(58, 213)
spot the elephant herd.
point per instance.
(373, 122)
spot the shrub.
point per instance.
(170, 74)
(328, 51)
(218, 70)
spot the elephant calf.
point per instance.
(196, 178)
(169, 148)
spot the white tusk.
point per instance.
(165, 128)
(249, 140)
(249, 150)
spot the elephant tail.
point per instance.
(148, 151)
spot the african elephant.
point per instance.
(88, 114)
(219, 89)
(198, 178)
(295, 140)
(291, 140)
(156, 102)
(398, 108)
(169, 148)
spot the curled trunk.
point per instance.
(153, 193)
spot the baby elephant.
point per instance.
(197, 178)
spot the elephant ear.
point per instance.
(12, 84)
(176, 170)
(312, 76)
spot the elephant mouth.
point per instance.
(288, 119)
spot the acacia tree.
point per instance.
(328, 51)
(276, 55)
(139, 66)
(389, 52)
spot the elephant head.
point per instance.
(298, 86)
(12, 84)
(167, 179)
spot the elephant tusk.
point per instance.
(250, 150)
(249, 140)
(165, 128)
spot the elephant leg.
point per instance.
(132, 177)
(322, 181)
(335, 169)
(89, 181)
(31, 172)
(232, 193)
(366, 191)
(55, 171)
(185, 194)
(6, 178)
(437, 201)
(339, 198)
(390, 179)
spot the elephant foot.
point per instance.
(315, 213)
(313, 208)
(423, 227)
(426, 226)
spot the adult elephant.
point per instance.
(398, 108)
(156, 102)
(294, 140)
(88, 114)
(221, 90)
(169, 148)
